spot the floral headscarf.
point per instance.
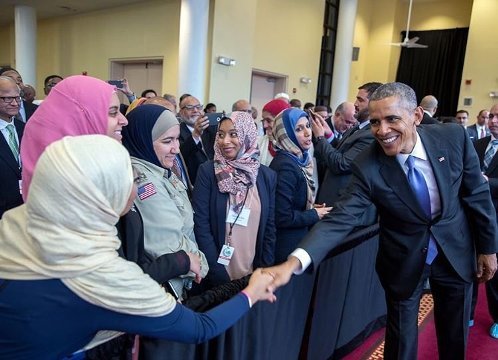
(237, 175)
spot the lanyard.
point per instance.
(235, 221)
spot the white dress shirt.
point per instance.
(422, 164)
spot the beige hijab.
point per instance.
(66, 229)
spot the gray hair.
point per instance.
(403, 92)
(341, 108)
(4, 78)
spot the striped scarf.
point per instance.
(284, 140)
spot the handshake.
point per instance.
(264, 281)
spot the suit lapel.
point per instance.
(396, 179)
(222, 202)
(6, 154)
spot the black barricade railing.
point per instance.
(268, 331)
(221, 293)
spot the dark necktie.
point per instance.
(483, 134)
(419, 187)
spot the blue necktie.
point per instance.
(419, 187)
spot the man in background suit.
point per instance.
(427, 186)
(480, 129)
(429, 105)
(338, 160)
(490, 171)
(10, 139)
(26, 109)
(340, 121)
(196, 136)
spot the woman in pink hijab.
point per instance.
(83, 105)
(78, 105)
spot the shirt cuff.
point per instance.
(304, 258)
(248, 298)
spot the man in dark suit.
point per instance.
(488, 158)
(338, 160)
(196, 135)
(429, 105)
(428, 188)
(11, 129)
(480, 129)
(26, 109)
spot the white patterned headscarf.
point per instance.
(66, 230)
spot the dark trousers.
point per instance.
(492, 295)
(452, 297)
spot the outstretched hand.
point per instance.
(258, 287)
(283, 272)
(486, 267)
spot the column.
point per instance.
(194, 19)
(25, 35)
(343, 52)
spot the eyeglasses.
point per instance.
(491, 116)
(192, 107)
(9, 99)
(246, 111)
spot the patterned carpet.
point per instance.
(425, 310)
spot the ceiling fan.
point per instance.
(407, 42)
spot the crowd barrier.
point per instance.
(348, 304)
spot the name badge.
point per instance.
(226, 254)
(240, 219)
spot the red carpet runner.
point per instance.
(481, 346)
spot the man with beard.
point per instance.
(338, 160)
(196, 136)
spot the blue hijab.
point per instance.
(137, 136)
(285, 123)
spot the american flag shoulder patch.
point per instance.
(146, 190)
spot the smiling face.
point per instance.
(394, 125)
(303, 133)
(268, 121)
(115, 120)
(167, 146)
(228, 140)
(190, 110)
